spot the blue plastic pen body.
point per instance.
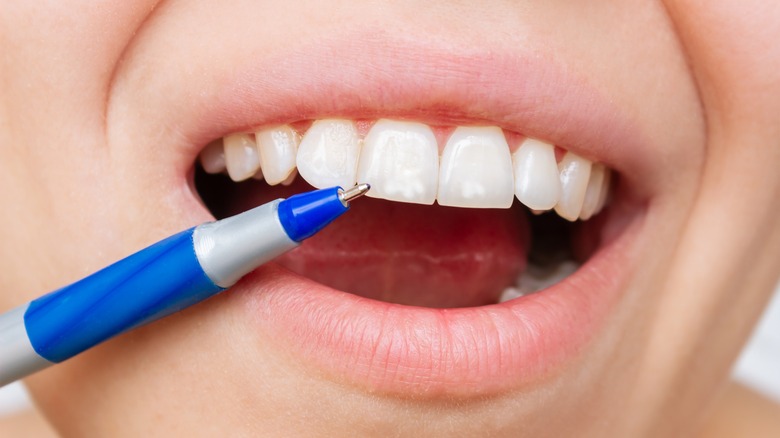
(157, 281)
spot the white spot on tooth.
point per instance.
(328, 153)
(401, 162)
(476, 169)
(278, 148)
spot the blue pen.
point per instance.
(168, 276)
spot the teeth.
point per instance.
(278, 149)
(476, 169)
(537, 183)
(536, 278)
(290, 179)
(212, 158)
(241, 157)
(604, 195)
(575, 172)
(328, 154)
(510, 293)
(401, 162)
(593, 192)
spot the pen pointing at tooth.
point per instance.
(166, 277)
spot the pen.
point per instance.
(166, 277)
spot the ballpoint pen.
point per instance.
(166, 277)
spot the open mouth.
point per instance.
(477, 240)
(471, 249)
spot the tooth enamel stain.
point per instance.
(212, 158)
(278, 150)
(328, 154)
(574, 174)
(537, 182)
(401, 162)
(476, 169)
(593, 192)
(241, 156)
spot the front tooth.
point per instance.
(593, 192)
(212, 158)
(328, 153)
(401, 162)
(241, 156)
(574, 174)
(290, 179)
(537, 183)
(476, 169)
(278, 148)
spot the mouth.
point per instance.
(469, 250)
(481, 254)
(504, 223)
(485, 257)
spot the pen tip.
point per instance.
(355, 192)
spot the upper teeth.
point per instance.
(476, 169)
(402, 162)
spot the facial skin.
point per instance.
(98, 107)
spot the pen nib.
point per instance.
(355, 192)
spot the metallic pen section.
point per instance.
(17, 355)
(355, 192)
(230, 248)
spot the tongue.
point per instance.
(419, 255)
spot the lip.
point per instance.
(426, 352)
(364, 75)
(420, 351)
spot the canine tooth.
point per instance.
(593, 192)
(278, 148)
(574, 174)
(537, 183)
(476, 169)
(401, 162)
(241, 157)
(328, 153)
(212, 157)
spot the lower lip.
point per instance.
(404, 350)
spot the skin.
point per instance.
(74, 129)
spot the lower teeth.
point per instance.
(536, 278)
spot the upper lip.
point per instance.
(364, 77)
(368, 76)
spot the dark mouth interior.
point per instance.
(419, 255)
